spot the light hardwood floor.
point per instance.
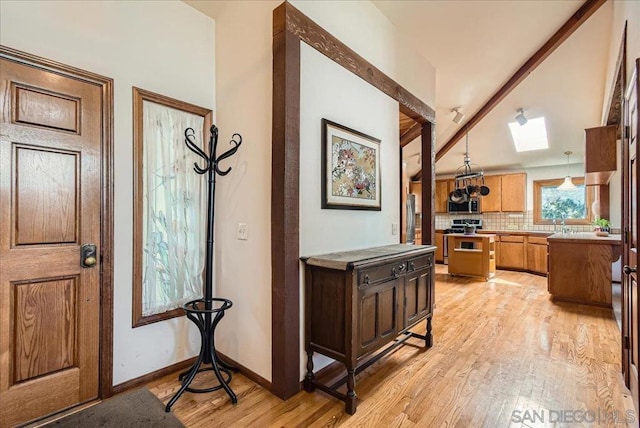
(504, 355)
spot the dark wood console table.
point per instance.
(357, 302)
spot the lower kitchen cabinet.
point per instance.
(439, 255)
(537, 254)
(512, 252)
(357, 302)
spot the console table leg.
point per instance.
(308, 379)
(429, 340)
(351, 402)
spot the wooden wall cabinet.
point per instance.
(493, 201)
(442, 195)
(356, 302)
(512, 252)
(514, 192)
(600, 154)
(507, 193)
(415, 187)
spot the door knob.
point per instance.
(88, 255)
(628, 269)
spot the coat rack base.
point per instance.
(206, 314)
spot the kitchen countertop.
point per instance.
(586, 238)
(542, 233)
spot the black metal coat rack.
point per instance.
(207, 312)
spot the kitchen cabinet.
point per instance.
(493, 201)
(442, 195)
(536, 260)
(415, 187)
(512, 252)
(600, 154)
(514, 192)
(356, 302)
(439, 255)
(507, 193)
(472, 255)
(580, 267)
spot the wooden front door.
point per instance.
(630, 301)
(50, 194)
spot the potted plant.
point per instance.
(602, 227)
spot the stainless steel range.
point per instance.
(457, 226)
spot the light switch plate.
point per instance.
(243, 231)
(394, 228)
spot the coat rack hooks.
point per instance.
(207, 312)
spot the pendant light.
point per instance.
(567, 184)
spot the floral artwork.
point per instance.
(351, 167)
(354, 169)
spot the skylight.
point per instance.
(530, 136)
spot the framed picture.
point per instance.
(169, 206)
(350, 169)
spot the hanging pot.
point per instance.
(459, 196)
(473, 191)
(484, 190)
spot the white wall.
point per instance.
(162, 46)
(244, 85)
(329, 91)
(623, 11)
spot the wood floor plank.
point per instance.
(501, 348)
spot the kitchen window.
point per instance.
(550, 203)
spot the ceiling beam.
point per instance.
(411, 134)
(577, 19)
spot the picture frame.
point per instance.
(161, 161)
(351, 171)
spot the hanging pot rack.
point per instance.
(469, 180)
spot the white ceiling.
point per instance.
(476, 46)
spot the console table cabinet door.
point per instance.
(417, 296)
(378, 315)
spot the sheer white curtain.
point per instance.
(174, 219)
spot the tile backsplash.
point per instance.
(509, 221)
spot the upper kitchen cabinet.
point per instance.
(442, 194)
(507, 193)
(514, 192)
(493, 201)
(600, 154)
(415, 187)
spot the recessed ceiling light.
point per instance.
(530, 136)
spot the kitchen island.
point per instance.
(472, 255)
(580, 267)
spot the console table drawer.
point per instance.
(381, 273)
(420, 262)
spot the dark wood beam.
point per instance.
(318, 38)
(285, 197)
(428, 179)
(411, 134)
(568, 28)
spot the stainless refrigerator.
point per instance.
(410, 219)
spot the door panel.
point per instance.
(630, 295)
(377, 314)
(44, 323)
(43, 193)
(50, 164)
(417, 296)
